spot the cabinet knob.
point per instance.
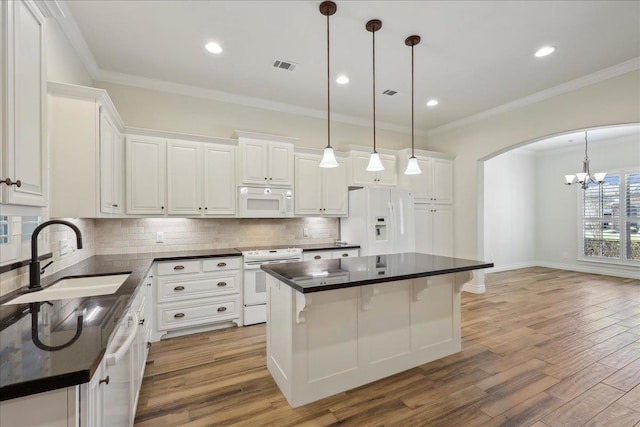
(179, 288)
(222, 264)
(345, 255)
(104, 380)
(199, 209)
(265, 178)
(270, 179)
(148, 344)
(179, 267)
(178, 315)
(221, 284)
(221, 309)
(205, 208)
(141, 322)
(162, 207)
(317, 257)
(9, 182)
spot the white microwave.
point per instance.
(265, 202)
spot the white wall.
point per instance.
(152, 109)
(557, 204)
(63, 63)
(510, 210)
(612, 101)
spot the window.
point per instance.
(611, 219)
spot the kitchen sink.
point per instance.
(74, 287)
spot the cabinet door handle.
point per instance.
(317, 257)
(222, 264)
(345, 255)
(178, 315)
(221, 284)
(9, 182)
(221, 309)
(179, 288)
(141, 322)
(179, 267)
(104, 380)
(115, 205)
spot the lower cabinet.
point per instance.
(333, 254)
(197, 295)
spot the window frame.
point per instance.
(623, 220)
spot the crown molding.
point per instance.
(99, 95)
(129, 130)
(70, 28)
(589, 79)
(50, 9)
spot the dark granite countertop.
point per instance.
(324, 275)
(27, 369)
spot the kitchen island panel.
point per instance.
(323, 343)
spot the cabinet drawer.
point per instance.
(183, 315)
(178, 267)
(316, 255)
(194, 287)
(218, 264)
(347, 253)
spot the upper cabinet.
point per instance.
(146, 175)
(435, 183)
(200, 178)
(264, 159)
(87, 153)
(23, 154)
(319, 191)
(361, 176)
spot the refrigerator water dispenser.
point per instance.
(381, 228)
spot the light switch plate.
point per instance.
(160, 237)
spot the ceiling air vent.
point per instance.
(284, 65)
(389, 92)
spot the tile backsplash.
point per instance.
(122, 236)
(137, 235)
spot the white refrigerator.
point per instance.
(381, 221)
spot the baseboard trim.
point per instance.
(630, 272)
(509, 267)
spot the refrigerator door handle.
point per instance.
(401, 213)
(392, 226)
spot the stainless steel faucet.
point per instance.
(34, 265)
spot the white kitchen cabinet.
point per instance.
(435, 183)
(361, 176)
(23, 154)
(320, 191)
(196, 295)
(264, 159)
(146, 175)
(85, 129)
(329, 254)
(434, 229)
(200, 179)
(111, 166)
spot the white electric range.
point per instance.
(255, 280)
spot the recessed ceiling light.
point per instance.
(342, 79)
(544, 51)
(432, 103)
(213, 47)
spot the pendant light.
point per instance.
(413, 168)
(374, 161)
(583, 178)
(328, 8)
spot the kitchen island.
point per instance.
(338, 324)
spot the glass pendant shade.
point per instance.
(375, 164)
(328, 159)
(413, 168)
(599, 177)
(569, 179)
(582, 176)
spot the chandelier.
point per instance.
(584, 178)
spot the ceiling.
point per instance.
(474, 55)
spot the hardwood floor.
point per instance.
(541, 348)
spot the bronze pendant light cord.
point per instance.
(328, 8)
(412, 41)
(373, 26)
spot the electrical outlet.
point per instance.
(160, 237)
(305, 232)
(65, 247)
